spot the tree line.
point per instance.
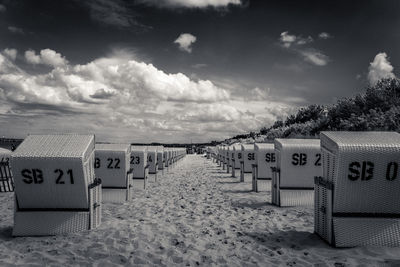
(376, 109)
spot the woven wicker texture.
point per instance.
(53, 222)
(138, 161)
(53, 171)
(264, 185)
(265, 159)
(371, 160)
(115, 195)
(350, 232)
(248, 157)
(49, 223)
(290, 198)
(299, 161)
(112, 163)
(323, 212)
(95, 210)
(56, 146)
(139, 184)
(6, 180)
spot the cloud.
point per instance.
(122, 99)
(190, 3)
(114, 13)
(47, 57)
(15, 30)
(3, 8)
(294, 43)
(257, 94)
(315, 57)
(185, 41)
(199, 65)
(324, 35)
(380, 68)
(288, 40)
(10, 53)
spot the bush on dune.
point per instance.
(377, 109)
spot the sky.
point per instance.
(180, 71)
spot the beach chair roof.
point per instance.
(55, 145)
(337, 140)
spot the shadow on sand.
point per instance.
(252, 205)
(237, 191)
(6, 233)
(231, 182)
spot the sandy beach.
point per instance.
(195, 214)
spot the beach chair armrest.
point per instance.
(319, 180)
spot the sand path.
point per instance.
(195, 214)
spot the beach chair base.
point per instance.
(350, 232)
(44, 222)
(152, 177)
(116, 195)
(139, 183)
(296, 197)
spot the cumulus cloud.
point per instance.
(3, 8)
(191, 3)
(324, 35)
(380, 68)
(47, 57)
(120, 98)
(10, 53)
(258, 94)
(315, 57)
(16, 30)
(185, 41)
(288, 40)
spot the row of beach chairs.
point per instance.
(62, 180)
(351, 179)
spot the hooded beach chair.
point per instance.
(6, 179)
(140, 166)
(357, 199)
(56, 190)
(246, 162)
(298, 161)
(262, 172)
(112, 166)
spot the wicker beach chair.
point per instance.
(140, 166)
(262, 173)
(357, 200)
(55, 187)
(6, 179)
(160, 157)
(248, 158)
(152, 160)
(298, 161)
(113, 168)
